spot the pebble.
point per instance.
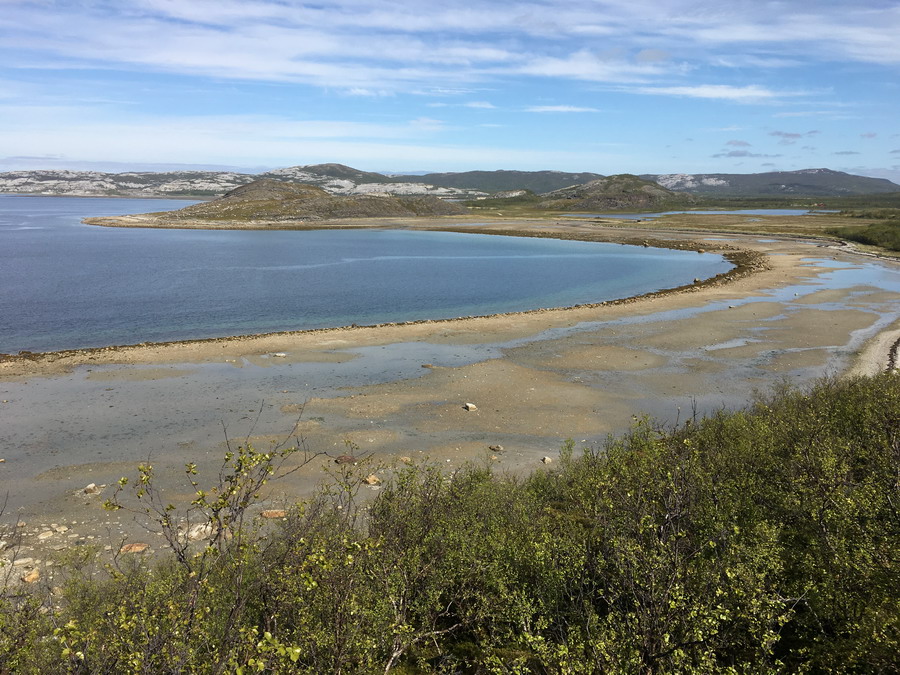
(137, 547)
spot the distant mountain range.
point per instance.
(338, 179)
(806, 183)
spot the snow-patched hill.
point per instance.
(806, 182)
(333, 178)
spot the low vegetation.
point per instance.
(753, 541)
(272, 200)
(884, 232)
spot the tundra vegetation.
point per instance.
(883, 229)
(760, 540)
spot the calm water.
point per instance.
(66, 285)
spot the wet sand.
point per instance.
(397, 392)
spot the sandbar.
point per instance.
(792, 310)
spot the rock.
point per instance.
(274, 513)
(137, 547)
(470, 406)
(199, 531)
(91, 489)
(345, 459)
(372, 479)
(495, 448)
(547, 460)
(31, 576)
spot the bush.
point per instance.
(751, 541)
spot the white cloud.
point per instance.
(724, 92)
(560, 108)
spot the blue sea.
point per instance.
(66, 285)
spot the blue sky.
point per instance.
(613, 86)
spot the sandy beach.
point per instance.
(793, 310)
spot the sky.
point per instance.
(608, 86)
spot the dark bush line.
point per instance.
(760, 540)
(884, 234)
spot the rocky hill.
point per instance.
(805, 183)
(498, 181)
(271, 200)
(333, 178)
(131, 184)
(623, 191)
(339, 179)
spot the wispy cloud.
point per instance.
(723, 92)
(560, 109)
(741, 153)
(791, 137)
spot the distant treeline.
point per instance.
(754, 541)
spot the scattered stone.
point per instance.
(372, 479)
(470, 406)
(274, 513)
(199, 531)
(31, 577)
(547, 460)
(137, 547)
(345, 459)
(495, 448)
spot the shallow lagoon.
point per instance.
(66, 285)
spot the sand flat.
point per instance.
(536, 378)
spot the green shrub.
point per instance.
(752, 541)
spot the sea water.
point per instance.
(67, 285)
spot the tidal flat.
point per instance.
(398, 391)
